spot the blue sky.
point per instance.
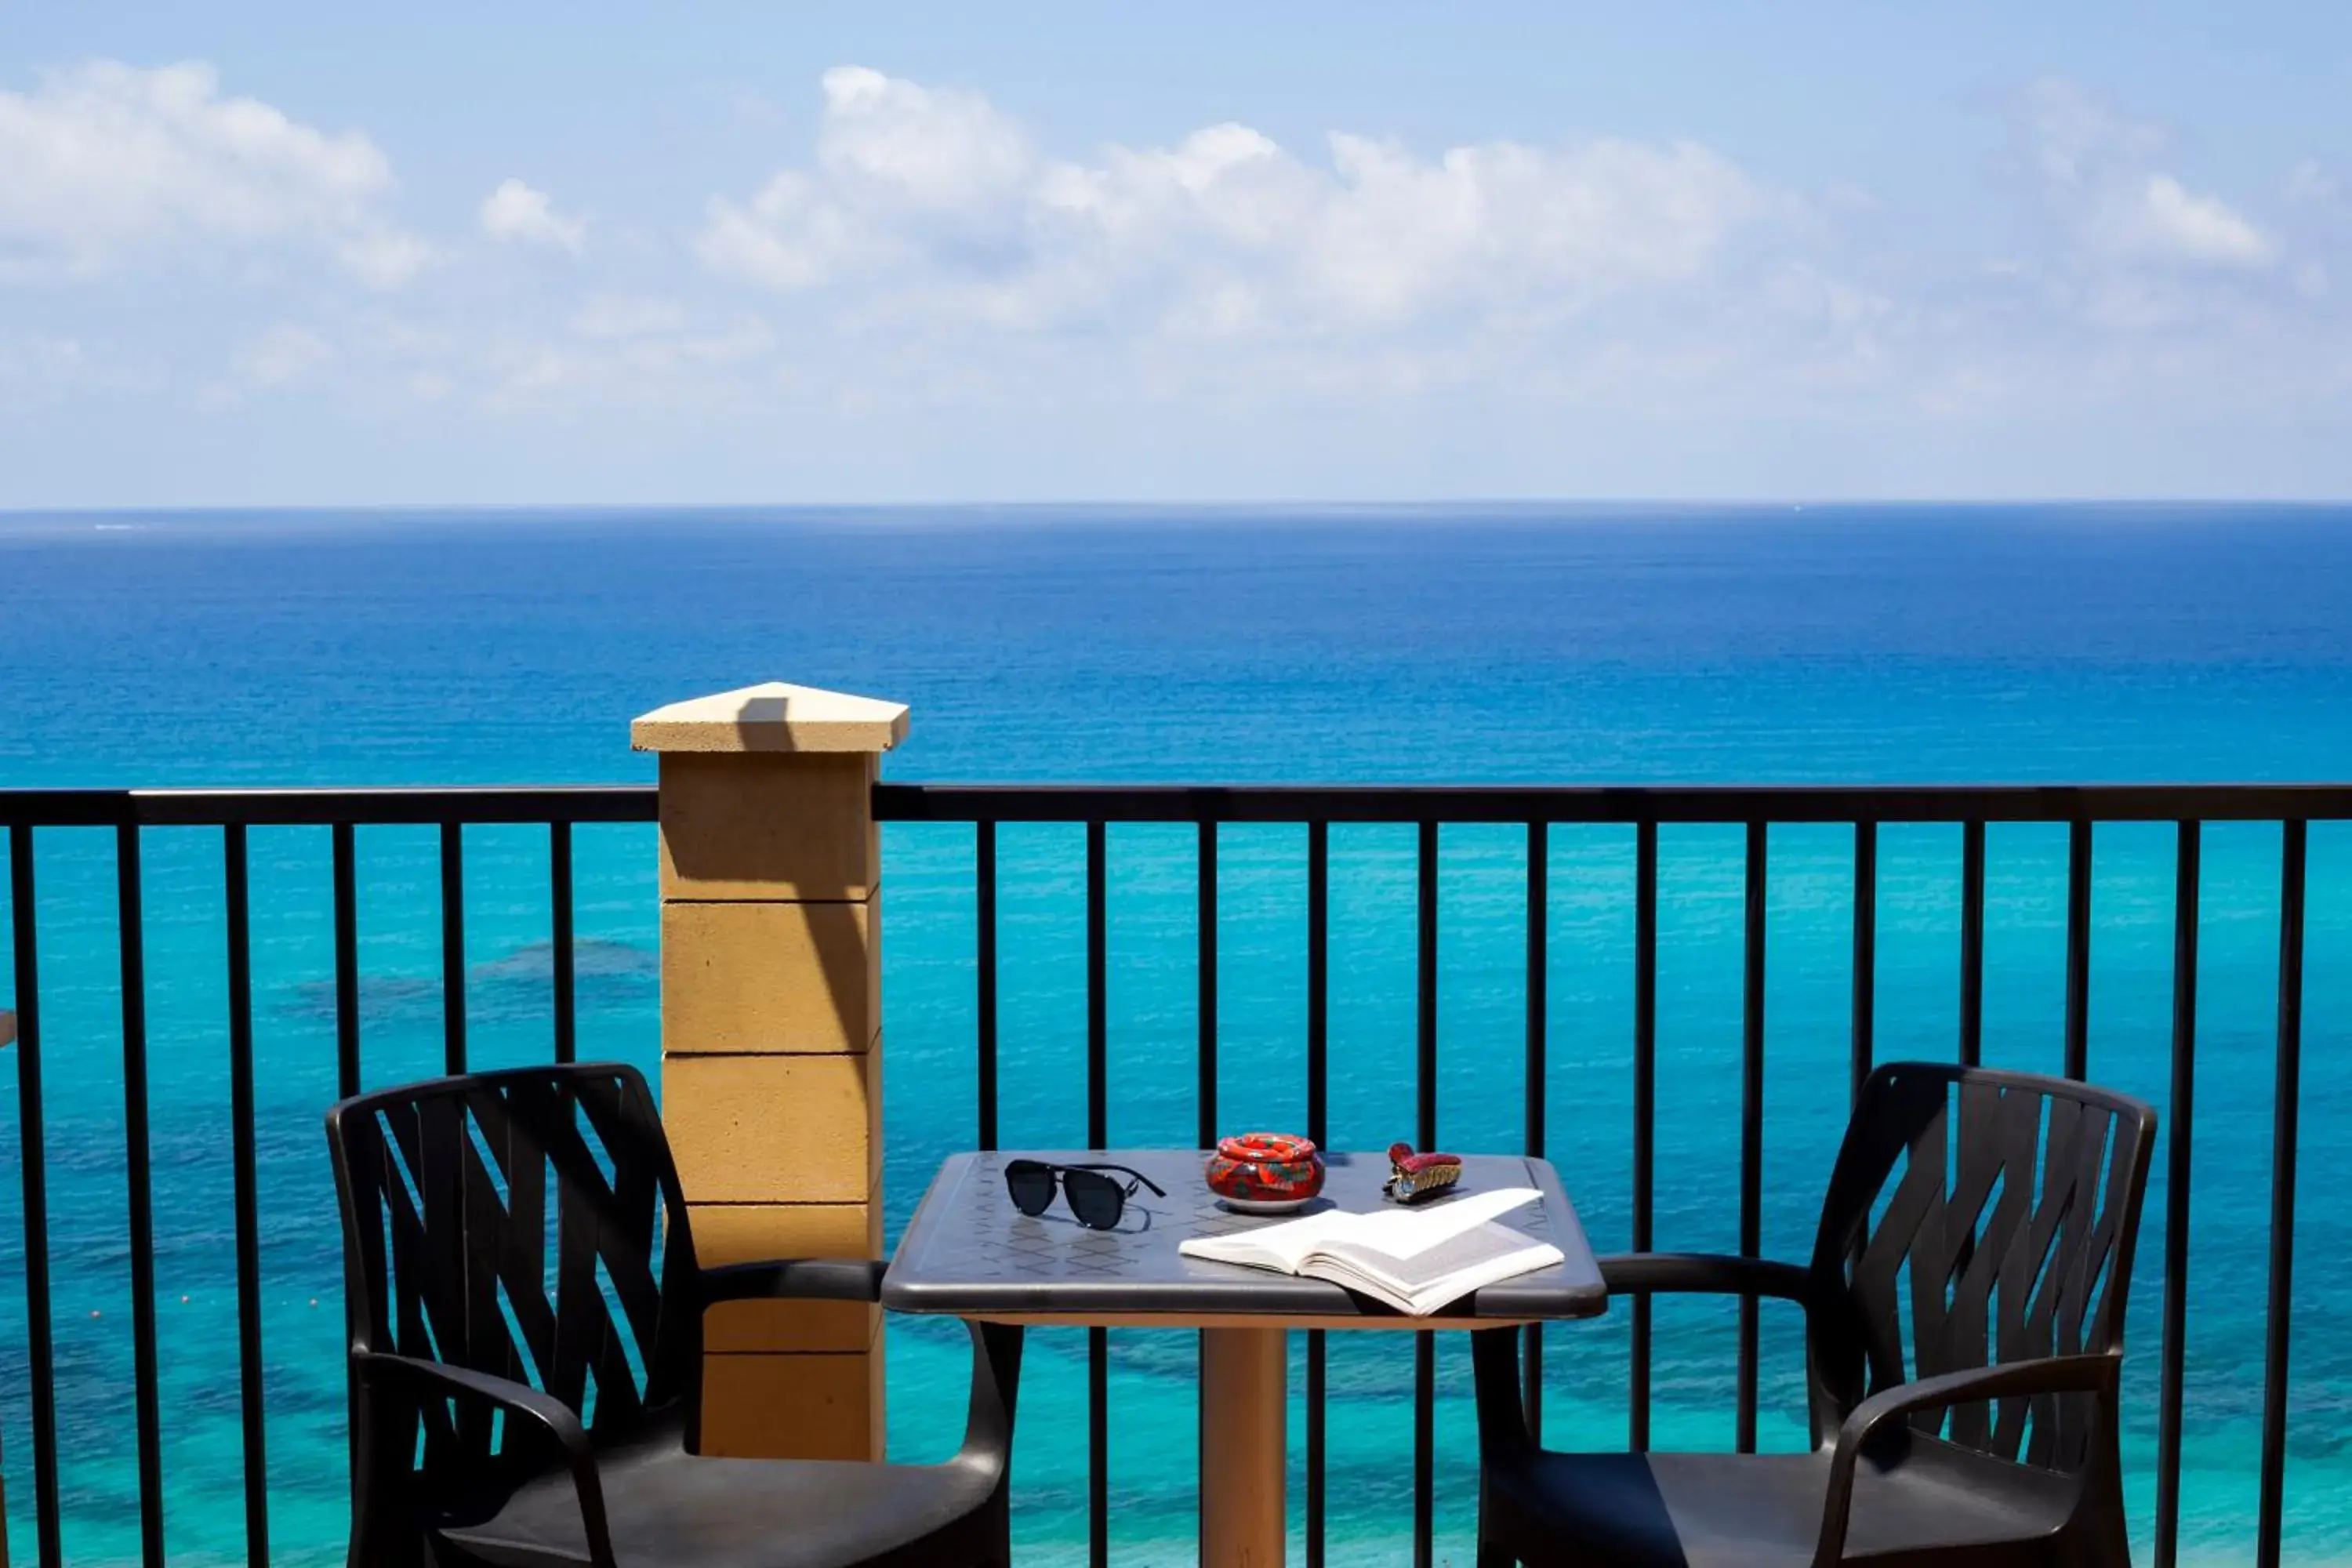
(281, 253)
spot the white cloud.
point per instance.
(786, 237)
(901, 171)
(932, 150)
(2168, 222)
(518, 213)
(104, 162)
(937, 197)
(2102, 178)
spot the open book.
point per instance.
(1416, 1260)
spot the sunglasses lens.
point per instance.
(1094, 1198)
(1031, 1184)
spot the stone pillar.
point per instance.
(772, 1067)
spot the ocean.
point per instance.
(1324, 645)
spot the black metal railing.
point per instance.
(235, 812)
(985, 807)
(1756, 809)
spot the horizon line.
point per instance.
(9, 513)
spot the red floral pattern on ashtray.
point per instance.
(1265, 1167)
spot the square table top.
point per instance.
(970, 1253)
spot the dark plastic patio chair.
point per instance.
(1984, 1219)
(526, 1354)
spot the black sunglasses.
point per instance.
(1096, 1200)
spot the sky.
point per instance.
(256, 253)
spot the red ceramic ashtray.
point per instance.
(1266, 1173)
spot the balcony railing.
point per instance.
(1753, 812)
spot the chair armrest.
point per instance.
(1502, 1423)
(1834, 1369)
(995, 1347)
(432, 1378)
(1704, 1273)
(2050, 1374)
(795, 1279)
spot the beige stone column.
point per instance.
(772, 1066)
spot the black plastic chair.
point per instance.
(526, 1354)
(1984, 1219)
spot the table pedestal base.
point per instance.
(1243, 1414)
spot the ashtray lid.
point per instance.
(1265, 1148)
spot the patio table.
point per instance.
(969, 1253)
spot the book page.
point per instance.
(1278, 1247)
(1440, 1272)
(1408, 1233)
(1298, 1246)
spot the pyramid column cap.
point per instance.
(775, 716)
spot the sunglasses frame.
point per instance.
(1058, 1179)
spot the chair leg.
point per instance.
(1000, 1531)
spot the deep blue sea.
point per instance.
(1576, 645)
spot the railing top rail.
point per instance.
(1613, 803)
(425, 805)
(1177, 803)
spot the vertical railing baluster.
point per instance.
(1425, 995)
(1318, 1128)
(2078, 949)
(1097, 1137)
(1972, 896)
(2284, 1112)
(453, 947)
(1205, 1129)
(146, 1395)
(2174, 1354)
(346, 961)
(1424, 1449)
(1207, 976)
(1751, 1125)
(343, 837)
(1645, 1113)
(1318, 982)
(235, 883)
(1538, 1087)
(1097, 989)
(984, 982)
(1424, 1348)
(558, 893)
(39, 1345)
(1863, 1033)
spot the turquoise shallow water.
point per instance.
(1579, 646)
